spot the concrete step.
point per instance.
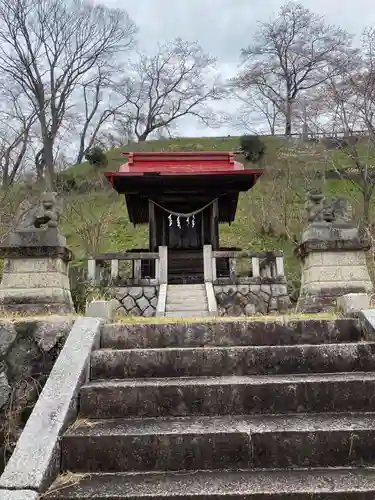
(182, 301)
(196, 306)
(187, 314)
(239, 360)
(308, 484)
(305, 393)
(186, 288)
(220, 442)
(230, 333)
(187, 301)
(186, 296)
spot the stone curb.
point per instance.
(211, 299)
(367, 323)
(104, 309)
(351, 304)
(162, 300)
(36, 459)
(18, 495)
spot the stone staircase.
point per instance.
(258, 411)
(186, 301)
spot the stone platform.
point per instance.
(35, 276)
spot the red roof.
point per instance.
(181, 163)
(166, 176)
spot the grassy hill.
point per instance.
(268, 217)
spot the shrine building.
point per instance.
(183, 197)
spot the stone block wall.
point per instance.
(137, 300)
(28, 351)
(248, 298)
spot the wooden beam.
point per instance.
(126, 256)
(220, 254)
(215, 225)
(152, 226)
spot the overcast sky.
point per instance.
(223, 27)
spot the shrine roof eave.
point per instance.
(142, 183)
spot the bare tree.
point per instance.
(48, 47)
(173, 83)
(350, 102)
(291, 54)
(100, 104)
(258, 109)
(15, 136)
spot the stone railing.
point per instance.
(158, 271)
(260, 265)
(247, 283)
(137, 292)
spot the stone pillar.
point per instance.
(35, 278)
(162, 274)
(333, 260)
(207, 263)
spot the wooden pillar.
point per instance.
(164, 229)
(215, 225)
(152, 226)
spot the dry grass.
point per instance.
(211, 319)
(82, 423)
(65, 480)
(17, 316)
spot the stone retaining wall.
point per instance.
(248, 299)
(28, 351)
(137, 300)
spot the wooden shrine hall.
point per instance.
(183, 197)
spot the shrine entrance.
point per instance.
(183, 197)
(185, 234)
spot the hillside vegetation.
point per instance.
(270, 216)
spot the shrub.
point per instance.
(65, 182)
(252, 147)
(96, 157)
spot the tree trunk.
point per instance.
(39, 166)
(49, 176)
(288, 118)
(81, 150)
(5, 178)
(143, 137)
(366, 210)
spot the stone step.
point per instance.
(186, 288)
(186, 296)
(230, 333)
(197, 443)
(198, 306)
(187, 314)
(187, 300)
(239, 360)
(305, 393)
(308, 484)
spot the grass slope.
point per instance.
(96, 217)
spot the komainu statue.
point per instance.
(47, 212)
(314, 205)
(319, 208)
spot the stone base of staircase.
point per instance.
(251, 410)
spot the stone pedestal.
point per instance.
(35, 278)
(333, 264)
